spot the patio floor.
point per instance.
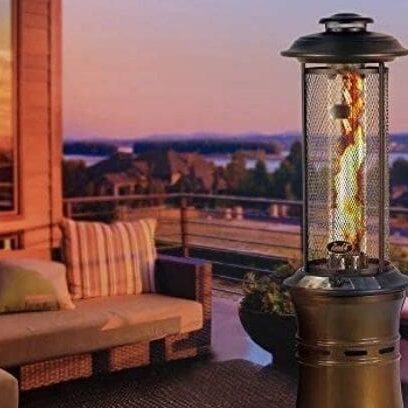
(229, 342)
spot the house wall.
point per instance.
(38, 45)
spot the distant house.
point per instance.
(167, 166)
(121, 174)
(203, 171)
(118, 162)
(181, 171)
(126, 173)
(120, 184)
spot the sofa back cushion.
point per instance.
(109, 260)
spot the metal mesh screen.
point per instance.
(343, 159)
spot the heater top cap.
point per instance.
(346, 40)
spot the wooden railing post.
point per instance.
(183, 225)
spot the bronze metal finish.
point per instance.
(347, 296)
(346, 40)
(348, 350)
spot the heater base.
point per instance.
(348, 349)
(375, 386)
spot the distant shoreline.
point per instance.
(214, 144)
(272, 161)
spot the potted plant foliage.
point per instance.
(399, 257)
(267, 315)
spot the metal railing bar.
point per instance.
(92, 214)
(240, 252)
(398, 210)
(160, 247)
(168, 221)
(231, 226)
(107, 199)
(229, 291)
(247, 217)
(228, 278)
(215, 237)
(249, 268)
(243, 199)
(144, 197)
(159, 236)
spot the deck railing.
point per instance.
(236, 233)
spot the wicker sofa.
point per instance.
(113, 333)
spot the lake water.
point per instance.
(271, 163)
(89, 160)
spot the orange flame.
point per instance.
(348, 204)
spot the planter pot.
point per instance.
(274, 333)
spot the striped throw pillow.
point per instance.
(109, 260)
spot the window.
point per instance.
(10, 241)
(8, 150)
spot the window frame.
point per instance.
(16, 211)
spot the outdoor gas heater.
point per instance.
(348, 296)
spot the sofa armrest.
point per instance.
(187, 278)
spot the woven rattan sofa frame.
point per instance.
(186, 278)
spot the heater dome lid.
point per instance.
(346, 40)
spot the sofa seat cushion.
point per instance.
(95, 324)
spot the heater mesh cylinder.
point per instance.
(343, 136)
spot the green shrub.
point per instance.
(266, 295)
(399, 258)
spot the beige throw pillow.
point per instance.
(31, 284)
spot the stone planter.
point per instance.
(274, 333)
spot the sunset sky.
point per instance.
(139, 67)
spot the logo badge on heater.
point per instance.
(340, 247)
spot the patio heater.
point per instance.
(348, 295)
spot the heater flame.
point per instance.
(348, 203)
